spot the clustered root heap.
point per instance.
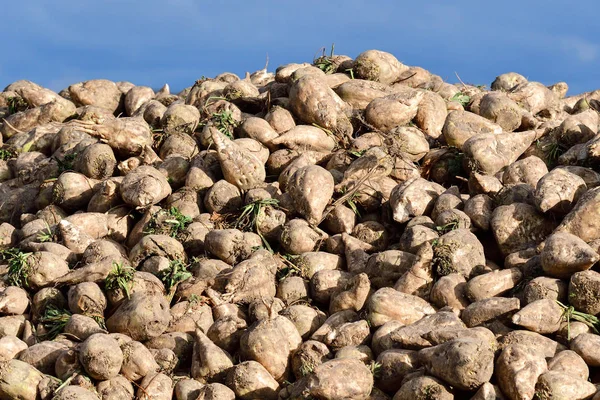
(341, 229)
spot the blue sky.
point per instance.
(56, 43)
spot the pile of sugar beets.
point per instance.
(341, 229)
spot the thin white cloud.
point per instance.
(583, 50)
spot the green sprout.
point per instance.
(46, 235)
(18, 266)
(554, 153)
(375, 368)
(121, 277)
(54, 320)
(307, 367)
(290, 268)
(16, 104)
(450, 226)
(64, 383)
(66, 164)
(327, 131)
(153, 226)
(172, 276)
(351, 201)
(211, 98)
(461, 98)
(551, 150)
(325, 62)
(248, 219)
(174, 222)
(351, 72)
(357, 153)
(194, 299)
(225, 122)
(352, 204)
(197, 259)
(569, 314)
(99, 320)
(7, 153)
(178, 221)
